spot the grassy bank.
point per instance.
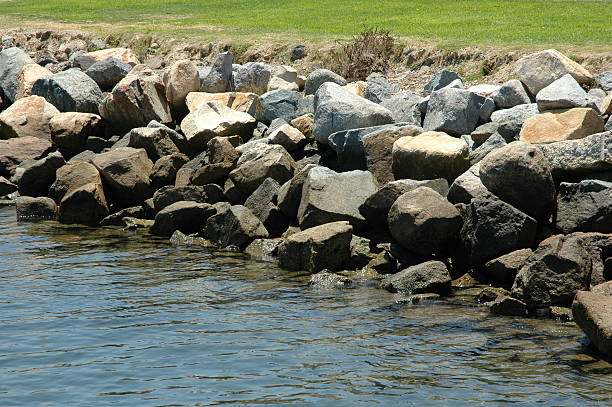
(509, 23)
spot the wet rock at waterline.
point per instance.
(428, 277)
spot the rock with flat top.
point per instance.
(428, 277)
(563, 125)
(27, 117)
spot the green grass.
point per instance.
(513, 23)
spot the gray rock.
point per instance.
(604, 81)
(70, 91)
(608, 126)
(404, 107)
(453, 111)
(84, 205)
(320, 76)
(178, 139)
(262, 203)
(326, 246)
(108, 73)
(502, 270)
(41, 208)
(38, 177)
(378, 88)
(482, 133)
(155, 140)
(591, 311)
(185, 216)
(234, 226)
(585, 207)
(337, 109)
(467, 186)
(253, 77)
(510, 94)
(290, 193)
(260, 162)
(306, 105)
(298, 52)
(428, 277)
(217, 78)
(564, 93)
(280, 103)
(494, 142)
(263, 249)
(12, 60)
(441, 79)
(508, 306)
(510, 121)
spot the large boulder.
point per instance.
(591, 311)
(71, 177)
(84, 205)
(29, 208)
(15, 150)
(564, 93)
(510, 121)
(155, 140)
(428, 277)
(27, 77)
(283, 104)
(290, 193)
(326, 246)
(328, 196)
(562, 125)
(542, 68)
(12, 61)
(510, 94)
(217, 77)
(467, 186)
(424, 222)
(260, 162)
(337, 109)
(126, 172)
(585, 207)
(252, 77)
(492, 228)
(39, 175)
(453, 111)
(70, 91)
(27, 117)
(520, 175)
(378, 88)
(502, 270)
(125, 55)
(70, 131)
(404, 107)
(185, 216)
(320, 76)
(430, 155)
(136, 100)
(234, 226)
(181, 79)
(165, 169)
(222, 158)
(108, 73)
(262, 203)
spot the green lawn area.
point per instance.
(580, 24)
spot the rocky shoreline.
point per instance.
(419, 191)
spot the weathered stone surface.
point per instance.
(84, 205)
(483, 132)
(305, 124)
(168, 195)
(165, 169)
(376, 208)
(222, 158)
(404, 107)
(218, 77)
(6, 187)
(542, 68)
(508, 306)
(328, 196)
(73, 176)
(15, 150)
(585, 207)
(70, 131)
(280, 103)
(520, 175)
(12, 61)
(253, 77)
(510, 121)
(263, 249)
(562, 125)
(467, 186)
(502, 270)
(336, 109)
(216, 120)
(181, 79)
(378, 88)
(289, 137)
(116, 219)
(453, 111)
(38, 177)
(424, 222)
(604, 80)
(320, 76)
(136, 100)
(510, 94)
(559, 267)
(234, 226)
(262, 202)
(125, 55)
(428, 277)
(28, 75)
(126, 172)
(178, 139)
(441, 79)
(326, 246)
(242, 102)
(70, 91)
(591, 311)
(185, 216)
(260, 162)
(492, 228)
(430, 155)
(28, 117)
(155, 140)
(29, 208)
(563, 93)
(108, 73)
(290, 193)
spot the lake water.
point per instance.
(96, 317)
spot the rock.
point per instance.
(563, 125)
(559, 267)
(6, 187)
(263, 249)
(125, 55)
(320, 76)
(494, 142)
(453, 111)
(510, 121)
(38, 177)
(185, 216)
(70, 131)
(492, 228)
(328, 196)
(564, 93)
(592, 312)
(262, 203)
(178, 139)
(304, 124)
(234, 226)
(280, 103)
(84, 205)
(576, 158)
(336, 109)
(28, 75)
(604, 81)
(12, 61)
(70, 91)
(361, 253)
(218, 78)
(289, 137)
(168, 195)
(542, 68)
(324, 280)
(253, 77)
(376, 208)
(27, 117)
(108, 73)
(29, 208)
(155, 140)
(483, 132)
(430, 155)
(510, 94)
(502, 270)
(467, 186)
(242, 102)
(378, 88)
(605, 107)
(136, 100)
(283, 77)
(404, 107)
(489, 294)
(298, 52)
(116, 219)
(165, 169)
(326, 246)
(15, 150)
(260, 162)
(222, 159)
(517, 173)
(290, 193)
(424, 222)
(428, 277)
(508, 306)
(181, 79)
(585, 207)
(126, 172)
(215, 120)
(441, 79)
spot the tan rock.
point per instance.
(181, 79)
(591, 311)
(71, 177)
(240, 101)
(28, 75)
(283, 77)
(122, 54)
(305, 124)
(15, 150)
(605, 106)
(358, 88)
(569, 124)
(70, 131)
(29, 116)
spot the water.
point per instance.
(105, 317)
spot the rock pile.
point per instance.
(512, 185)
